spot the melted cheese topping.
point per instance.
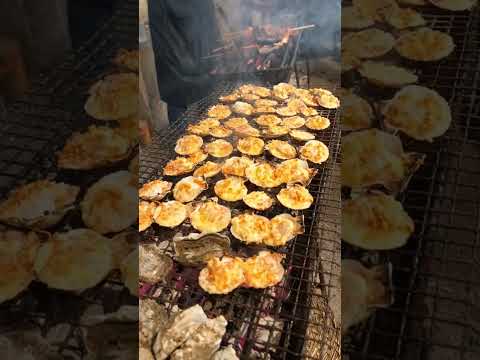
(178, 166)
(281, 149)
(284, 227)
(425, 45)
(222, 276)
(242, 108)
(198, 157)
(386, 74)
(317, 123)
(234, 123)
(155, 190)
(353, 18)
(236, 166)
(231, 189)
(293, 122)
(258, 200)
(326, 99)
(419, 112)
(403, 18)
(189, 188)
(251, 146)
(356, 113)
(264, 110)
(282, 91)
(219, 112)
(220, 132)
(295, 171)
(145, 215)
(188, 145)
(314, 151)
(296, 104)
(170, 214)
(286, 111)
(198, 129)
(295, 197)
(262, 91)
(210, 123)
(368, 43)
(267, 120)
(250, 97)
(263, 175)
(231, 98)
(275, 131)
(210, 217)
(251, 228)
(375, 222)
(209, 169)
(219, 148)
(246, 130)
(265, 103)
(302, 135)
(306, 96)
(263, 270)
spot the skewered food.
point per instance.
(75, 260)
(369, 43)
(234, 123)
(353, 18)
(207, 170)
(222, 276)
(295, 171)
(99, 146)
(39, 204)
(242, 108)
(275, 131)
(375, 222)
(235, 166)
(189, 188)
(284, 227)
(179, 166)
(251, 228)
(314, 151)
(17, 256)
(454, 5)
(197, 157)
(155, 190)
(110, 205)
(302, 135)
(219, 112)
(155, 266)
(188, 144)
(281, 149)
(295, 197)
(264, 270)
(419, 112)
(219, 148)
(231, 189)
(145, 215)
(403, 18)
(425, 45)
(171, 213)
(210, 217)
(388, 75)
(197, 249)
(264, 175)
(356, 113)
(293, 122)
(220, 132)
(258, 200)
(251, 146)
(326, 98)
(113, 98)
(317, 123)
(268, 120)
(127, 59)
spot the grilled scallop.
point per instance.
(286, 111)
(130, 272)
(179, 166)
(219, 148)
(198, 129)
(403, 18)
(76, 260)
(376, 9)
(220, 132)
(317, 123)
(231, 189)
(308, 111)
(293, 122)
(295, 171)
(251, 146)
(234, 123)
(246, 89)
(268, 120)
(295, 197)
(284, 227)
(230, 98)
(39, 204)
(375, 222)
(111, 204)
(262, 91)
(306, 96)
(189, 188)
(297, 104)
(264, 270)
(283, 91)
(263, 175)
(171, 213)
(123, 244)
(275, 131)
(425, 45)
(210, 217)
(314, 151)
(209, 123)
(368, 43)
(17, 256)
(353, 18)
(222, 276)
(113, 98)
(349, 61)
(155, 190)
(236, 166)
(145, 215)
(388, 75)
(326, 98)
(250, 98)
(127, 59)
(258, 200)
(219, 112)
(188, 145)
(264, 110)
(251, 228)
(99, 146)
(198, 157)
(207, 170)
(301, 135)
(281, 149)
(242, 108)
(356, 113)
(419, 112)
(265, 103)
(454, 5)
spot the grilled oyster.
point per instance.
(264, 270)
(242, 108)
(283, 228)
(315, 151)
(251, 146)
(369, 43)
(207, 170)
(293, 122)
(295, 171)
(281, 149)
(76, 260)
(18, 251)
(234, 123)
(264, 175)
(155, 266)
(236, 166)
(145, 215)
(188, 145)
(227, 353)
(39, 204)
(222, 276)
(189, 188)
(375, 222)
(170, 214)
(317, 123)
(295, 197)
(210, 217)
(220, 132)
(197, 249)
(179, 166)
(356, 113)
(251, 228)
(152, 317)
(301, 135)
(219, 148)
(231, 189)
(111, 204)
(155, 190)
(425, 45)
(268, 120)
(219, 112)
(258, 200)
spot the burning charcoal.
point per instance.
(152, 317)
(181, 328)
(197, 249)
(227, 353)
(155, 266)
(204, 342)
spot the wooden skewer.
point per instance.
(302, 27)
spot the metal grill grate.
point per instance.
(436, 274)
(297, 306)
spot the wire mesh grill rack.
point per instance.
(33, 131)
(435, 314)
(291, 320)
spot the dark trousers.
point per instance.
(174, 112)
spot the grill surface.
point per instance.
(436, 275)
(301, 300)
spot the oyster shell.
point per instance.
(153, 318)
(197, 249)
(154, 264)
(227, 353)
